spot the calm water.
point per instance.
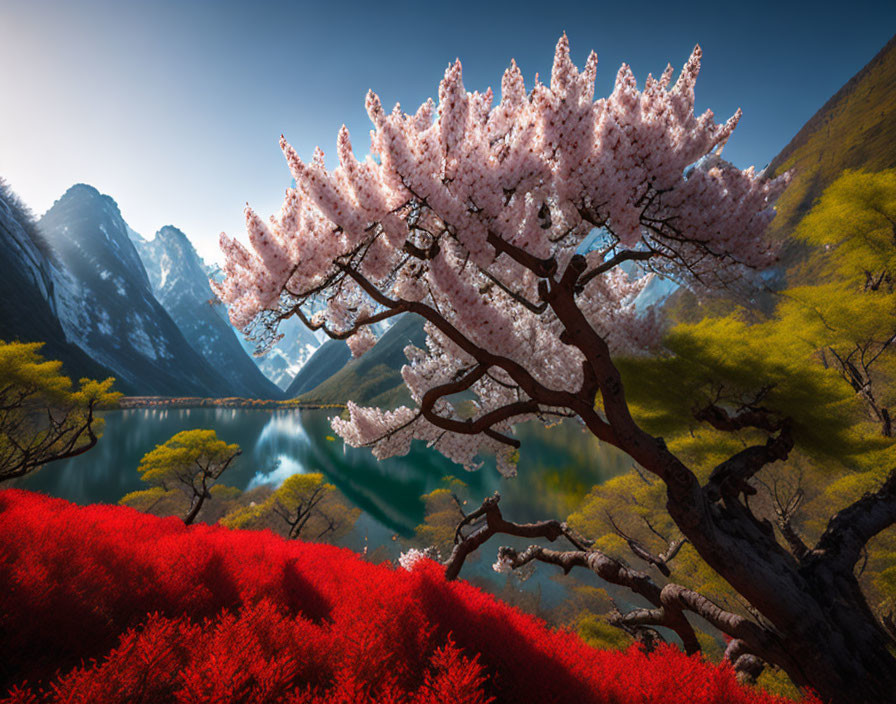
(557, 465)
(557, 468)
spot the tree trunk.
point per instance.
(820, 629)
(834, 645)
(198, 500)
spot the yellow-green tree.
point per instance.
(777, 438)
(187, 466)
(443, 511)
(304, 506)
(849, 319)
(854, 224)
(42, 418)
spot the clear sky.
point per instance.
(175, 108)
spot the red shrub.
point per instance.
(104, 604)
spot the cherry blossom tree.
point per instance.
(511, 228)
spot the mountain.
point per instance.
(328, 359)
(855, 129)
(105, 304)
(179, 280)
(288, 355)
(375, 378)
(27, 304)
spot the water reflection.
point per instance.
(557, 466)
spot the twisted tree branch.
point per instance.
(842, 542)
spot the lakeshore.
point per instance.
(128, 402)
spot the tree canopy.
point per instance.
(304, 506)
(524, 233)
(188, 463)
(42, 417)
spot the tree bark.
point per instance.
(820, 629)
(195, 508)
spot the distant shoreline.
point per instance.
(128, 402)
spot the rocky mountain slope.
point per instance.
(286, 357)
(105, 304)
(289, 355)
(855, 129)
(27, 303)
(179, 280)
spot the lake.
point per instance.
(557, 466)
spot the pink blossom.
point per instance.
(416, 223)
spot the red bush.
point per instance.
(102, 603)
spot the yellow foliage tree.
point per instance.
(42, 418)
(187, 466)
(304, 506)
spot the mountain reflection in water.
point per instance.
(557, 466)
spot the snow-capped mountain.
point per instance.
(286, 358)
(179, 281)
(289, 358)
(105, 304)
(27, 305)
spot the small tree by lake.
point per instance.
(188, 466)
(42, 418)
(304, 506)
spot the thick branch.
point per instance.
(484, 423)
(532, 388)
(840, 546)
(610, 570)
(615, 261)
(746, 665)
(495, 523)
(543, 268)
(729, 479)
(719, 419)
(604, 566)
(651, 453)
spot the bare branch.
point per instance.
(841, 544)
(719, 419)
(661, 562)
(729, 479)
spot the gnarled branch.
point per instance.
(729, 479)
(495, 523)
(719, 418)
(841, 544)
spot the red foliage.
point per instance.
(105, 604)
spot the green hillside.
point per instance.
(375, 378)
(327, 359)
(855, 129)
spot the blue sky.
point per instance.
(175, 108)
